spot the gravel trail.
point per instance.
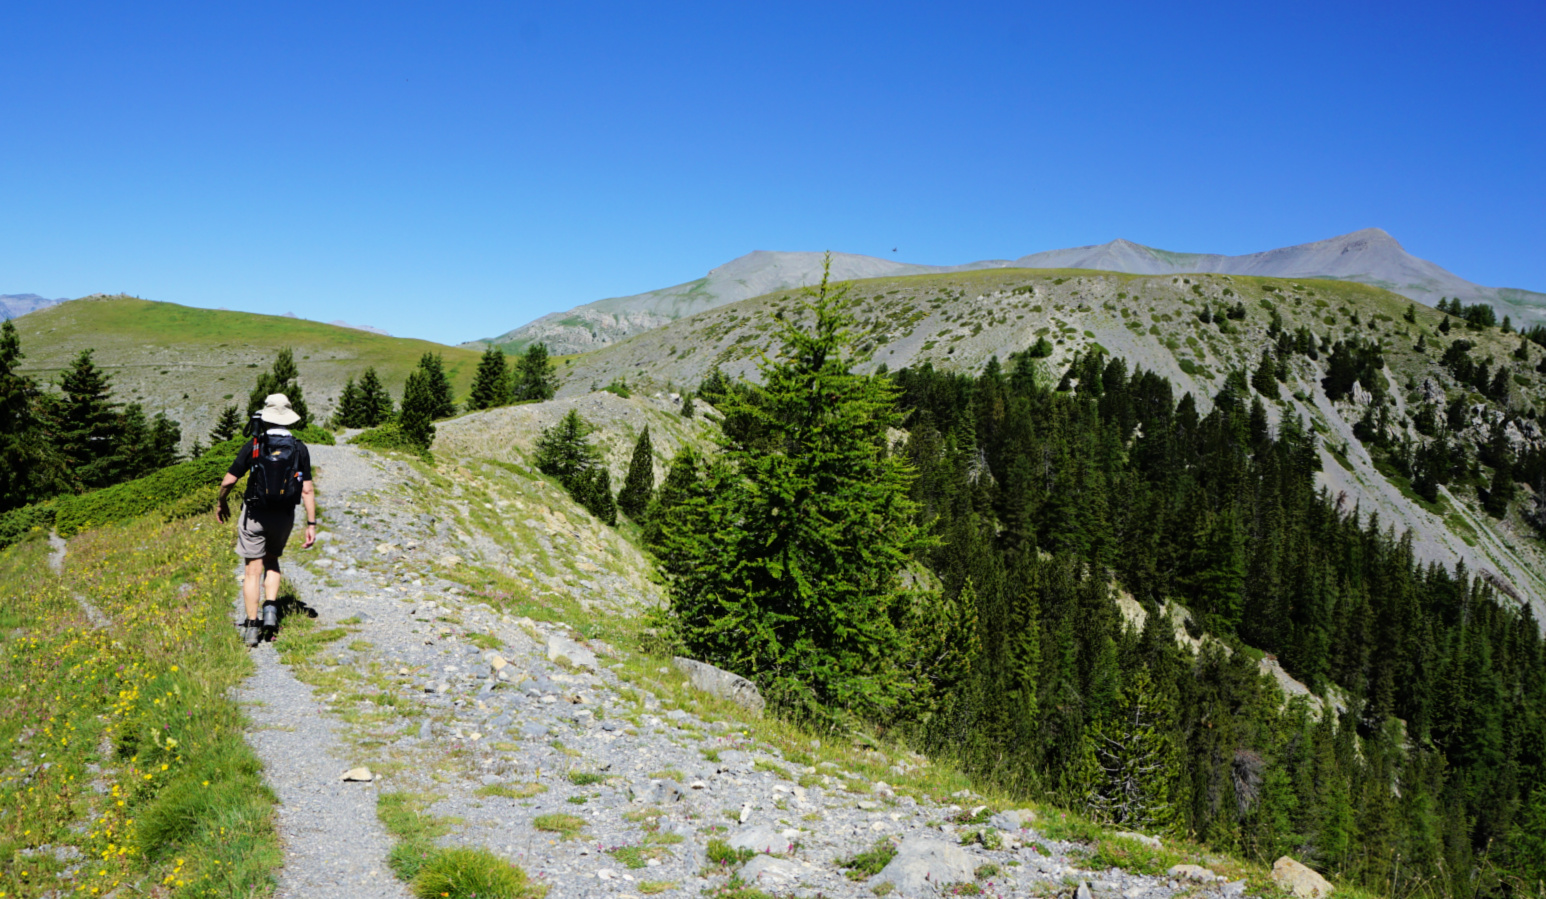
(502, 741)
(334, 846)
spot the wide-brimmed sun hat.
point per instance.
(277, 411)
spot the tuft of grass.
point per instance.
(566, 826)
(719, 853)
(651, 887)
(404, 817)
(485, 641)
(586, 778)
(512, 791)
(868, 863)
(473, 874)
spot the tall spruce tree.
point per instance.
(228, 425)
(533, 377)
(639, 485)
(348, 412)
(491, 385)
(30, 467)
(166, 436)
(283, 378)
(375, 402)
(788, 569)
(417, 418)
(680, 484)
(432, 368)
(88, 423)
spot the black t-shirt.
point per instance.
(244, 460)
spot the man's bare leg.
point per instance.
(252, 587)
(272, 578)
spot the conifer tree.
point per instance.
(417, 419)
(283, 378)
(228, 425)
(1129, 764)
(564, 450)
(348, 413)
(594, 492)
(1265, 378)
(679, 486)
(131, 457)
(375, 403)
(30, 467)
(88, 425)
(437, 386)
(788, 572)
(491, 384)
(166, 438)
(639, 485)
(687, 405)
(533, 377)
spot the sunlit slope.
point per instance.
(959, 320)
(190, 362)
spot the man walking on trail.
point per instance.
(278, 469)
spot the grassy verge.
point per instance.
(433, 872)
(125, 767)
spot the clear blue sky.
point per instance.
(453, 170)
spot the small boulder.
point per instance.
(561, 647)
(359, 775)
(1151, 842)
(770, 871)
(760, 839)
(1192, 872)
(1300, 880)
(1013, 820)
(722, 683)
(661, 792)
(924, 865)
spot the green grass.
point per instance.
(473, 874)
(405, 818)
(512, 791)
(144, 746)
(566, 826)
(206, 352)
(868, 863)
(586, 778)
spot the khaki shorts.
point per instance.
(264, 535)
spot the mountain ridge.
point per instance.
(1368, 256)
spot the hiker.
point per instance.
(278, 467)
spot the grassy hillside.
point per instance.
(958, 321)
(191, 362)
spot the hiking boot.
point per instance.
(270, 616)
(251, 632)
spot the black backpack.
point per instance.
(274, 480)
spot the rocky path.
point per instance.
(334, 846)
(534, 747)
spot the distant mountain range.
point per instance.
(13, 305)
(1369, 256)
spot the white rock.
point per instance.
(721, 683)
(561, 647)
(771, 871)
(1299, 880)
(1192, 872)
(760, 839)
(1151, 842)
(359, 775)
(923, 865)
(1013, 820)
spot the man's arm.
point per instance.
(222, 511)
(309, 500)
